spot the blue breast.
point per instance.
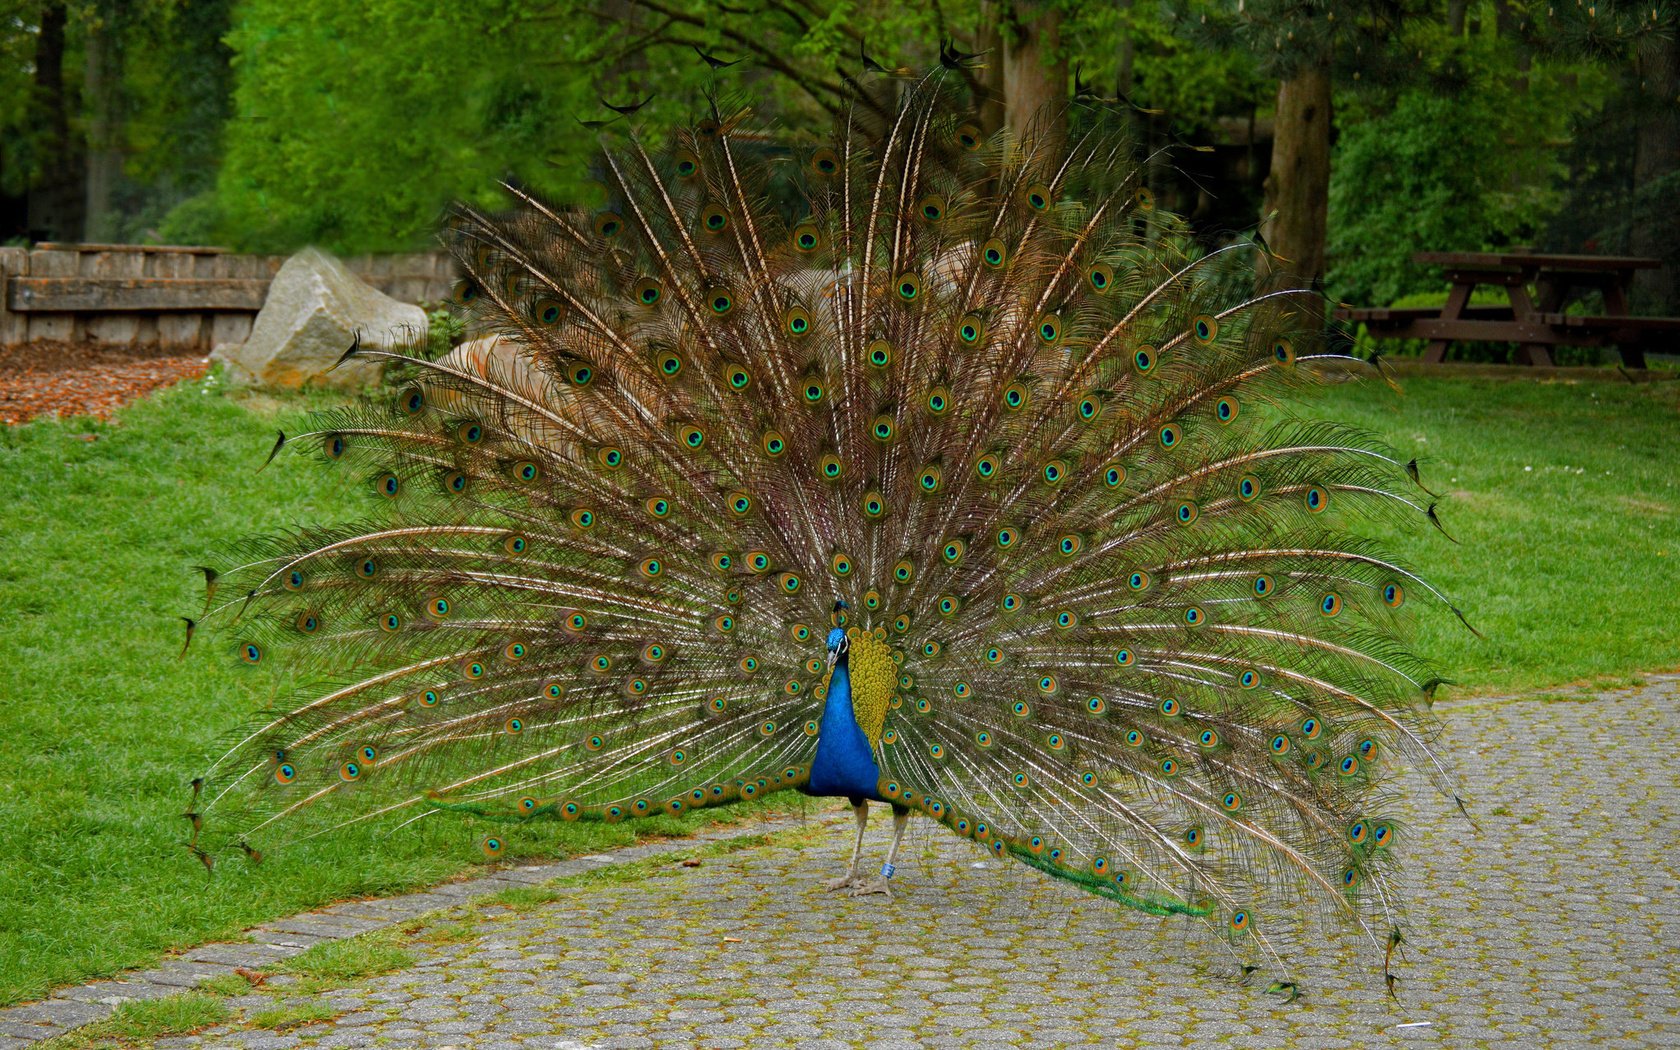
(844, 765)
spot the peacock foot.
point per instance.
(841, 883)
(872, 886)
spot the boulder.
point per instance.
(315, 308)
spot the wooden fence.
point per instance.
(185, 298)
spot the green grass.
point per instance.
(1571, 569)
(147, 1020)
(1565, 501)
(364, 955)
(293, 1015)
(103, 727)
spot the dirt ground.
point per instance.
(85, 379)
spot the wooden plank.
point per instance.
(53, 262)
(1535, 260)
(183, 330)
(1397, 315)
(80, 294)
(230, 328)
(1466, 330)
(1489, 331)
(115, 329)
(14, 328)
(1471, 276)
(62, 327)
(1650, 324)
(180, 330)
(189, 249)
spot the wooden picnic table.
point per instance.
(1535, 320)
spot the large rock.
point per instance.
(314, 310)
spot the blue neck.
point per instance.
(844, 765)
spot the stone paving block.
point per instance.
(300, 941)
(113, 993)
(27, 1032)
(404, 907)
(1519, 934)
(320, 924)
(250, 956)
(64, 1013)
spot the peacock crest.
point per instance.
(1108, 605)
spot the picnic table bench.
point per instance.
(1535, 322)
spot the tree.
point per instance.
(110, 110)
(1311, 46)
(1641, 42)
(102, 92)
(1460, 159)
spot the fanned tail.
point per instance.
(982, 390)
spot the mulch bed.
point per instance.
(86, 379)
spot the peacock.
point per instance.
(913, 465)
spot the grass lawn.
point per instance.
(1565, 497)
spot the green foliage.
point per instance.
(359, 123)
(364, 955)
(444, 329)
(293, 1015)
(1172, 69)
(20, 146)
(1458, 163)
(1367, 39)
(147, 1020)
(176, 86)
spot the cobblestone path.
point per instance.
(1557, 924)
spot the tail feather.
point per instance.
(984, 391)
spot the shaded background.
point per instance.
(1375, 128)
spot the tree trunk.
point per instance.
(988, 40)
(1656, 157)
(1298, 188)
(1507, 22)
(1456, 12)
(101, 86)
(55, 196)
(1035, 75)
(1128, 56)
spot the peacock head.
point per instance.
(837, 644)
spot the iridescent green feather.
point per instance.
(983, 391)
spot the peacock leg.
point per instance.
(901, 817)
(861, 808)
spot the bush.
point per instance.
(1459, 162)
(1426, 177)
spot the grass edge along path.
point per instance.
(1562, 496)
(218, 983)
